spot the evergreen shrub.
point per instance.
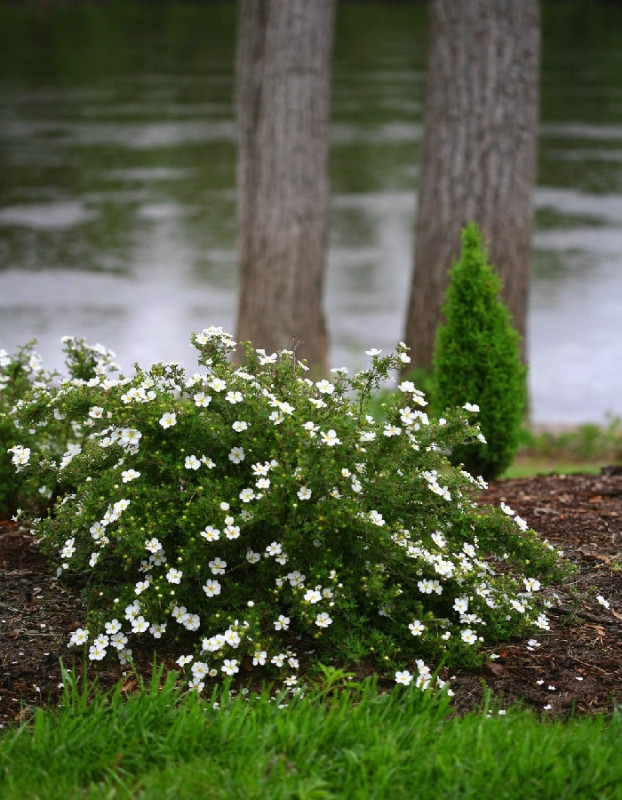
(477, 360)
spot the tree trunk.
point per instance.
(479, 153)
(283, 106)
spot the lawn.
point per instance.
(343, 740)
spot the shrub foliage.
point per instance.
(477, 360)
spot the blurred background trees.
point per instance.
(283, 69)
(479, 153)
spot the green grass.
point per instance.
(585, 448)
(341, 741)
(525, 466)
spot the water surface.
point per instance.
(117, 187)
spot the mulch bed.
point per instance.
(576, 667)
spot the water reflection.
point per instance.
(117, 190)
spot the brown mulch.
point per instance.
(574, 667)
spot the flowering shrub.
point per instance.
(259, 518)
(22, 379)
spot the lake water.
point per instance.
(117, 187)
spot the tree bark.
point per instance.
(283, 69)
(479, 153)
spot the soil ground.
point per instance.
(576, 667)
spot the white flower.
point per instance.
(461, 605)
(274, 549)
(304, 493)
(68, 548)
(416, 627)
(132, 611)
(218, 566)
(168, 420)
(118, 640)
(114, 626)
(232, 531)
(600, 599)
(130, 436)
(129, 475)
(522, 524)
(211, 588)
(471, 407)
(259, 658)
(192, 462)
(236, 455)
(157, 630)
(391, 430)
(199, 669)
(234, 397)
(21, 455)
(201, 400)
(373, 352)
(174, 575)
(96, 412)
(408, 416)
(542, 622)
(468, 636)
(296, 578)
(96, 652)
(317, 402)
(79, 636)
(230, 666)
(217, 384)
(312, 595)
(404, 677)
(323, 620)
(239, 426)
(428, 587)
(376, 518)
(232, 638)
(469, 550)
(153, 545)
(183, 660)
(266, 359)
(246, 495)
(282, 623)
(325, 387)
(252, 557)
(531, 584)
(330, 438)
(140, 625)
(210, 533)
(214, 643)
(120, 506)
